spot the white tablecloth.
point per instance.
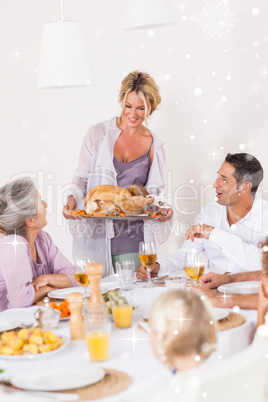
(130, 349)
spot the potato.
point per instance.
(32, 340)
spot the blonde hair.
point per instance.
(18, 201)
(184, 324)
(145, 87)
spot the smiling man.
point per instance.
(229, 230)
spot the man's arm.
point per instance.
(249, 302)
(243, 254)
(213, 280)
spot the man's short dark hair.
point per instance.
(247, 168)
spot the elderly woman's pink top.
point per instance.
(18, 269)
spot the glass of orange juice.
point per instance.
(97, 334)
(122, 315)
(122, 312)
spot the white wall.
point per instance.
(210, 67)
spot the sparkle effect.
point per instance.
(16, 54)
(15, 243)
(264, 73)
(225, 296)
(214, 153)
(134, 339)
(216, 20)
(181, 319)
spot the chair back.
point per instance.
(241, 377)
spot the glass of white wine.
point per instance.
(147, 256)
(80, 276)
(195, 265)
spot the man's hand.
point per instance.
(213, 280)
(214, 297)
(142, 271)
(263, 303)
(199, 231)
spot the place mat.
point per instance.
(112, 383)
(233, 320)
(146, 321)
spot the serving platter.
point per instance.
(132, 217)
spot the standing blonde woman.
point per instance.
(121, 151)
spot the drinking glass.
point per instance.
(177, 282)
(147, 256)
(80, 276)
(125, 272)
(122, 312)
(97, 332)
(195, 265)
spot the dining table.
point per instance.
(129, 348)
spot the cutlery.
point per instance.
(158, 278)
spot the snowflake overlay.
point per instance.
(216, 20)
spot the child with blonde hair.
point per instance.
(183, 337)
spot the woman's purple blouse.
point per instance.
(18, 269)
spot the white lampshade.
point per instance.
(65, 59)
(140, 14)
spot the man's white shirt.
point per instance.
(232, 248)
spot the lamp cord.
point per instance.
(61, 10)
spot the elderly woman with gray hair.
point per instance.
(30, 263)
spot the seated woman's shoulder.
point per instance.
(12, 239)
(43, 236)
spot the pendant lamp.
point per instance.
(65, 59)
(142, 14)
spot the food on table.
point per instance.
(63, 307)
(109, 199)
(113, 299)
(28, 341)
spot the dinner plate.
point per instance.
(244, 288)
(14, 317)
(63, 293)
(58, 377)
(32, 356)
(8, 324)
(220, 313)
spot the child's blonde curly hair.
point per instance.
(183, 323)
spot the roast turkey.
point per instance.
(110, 199)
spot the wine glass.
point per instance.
(147, 256)
(195, 265)
(80, 275)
